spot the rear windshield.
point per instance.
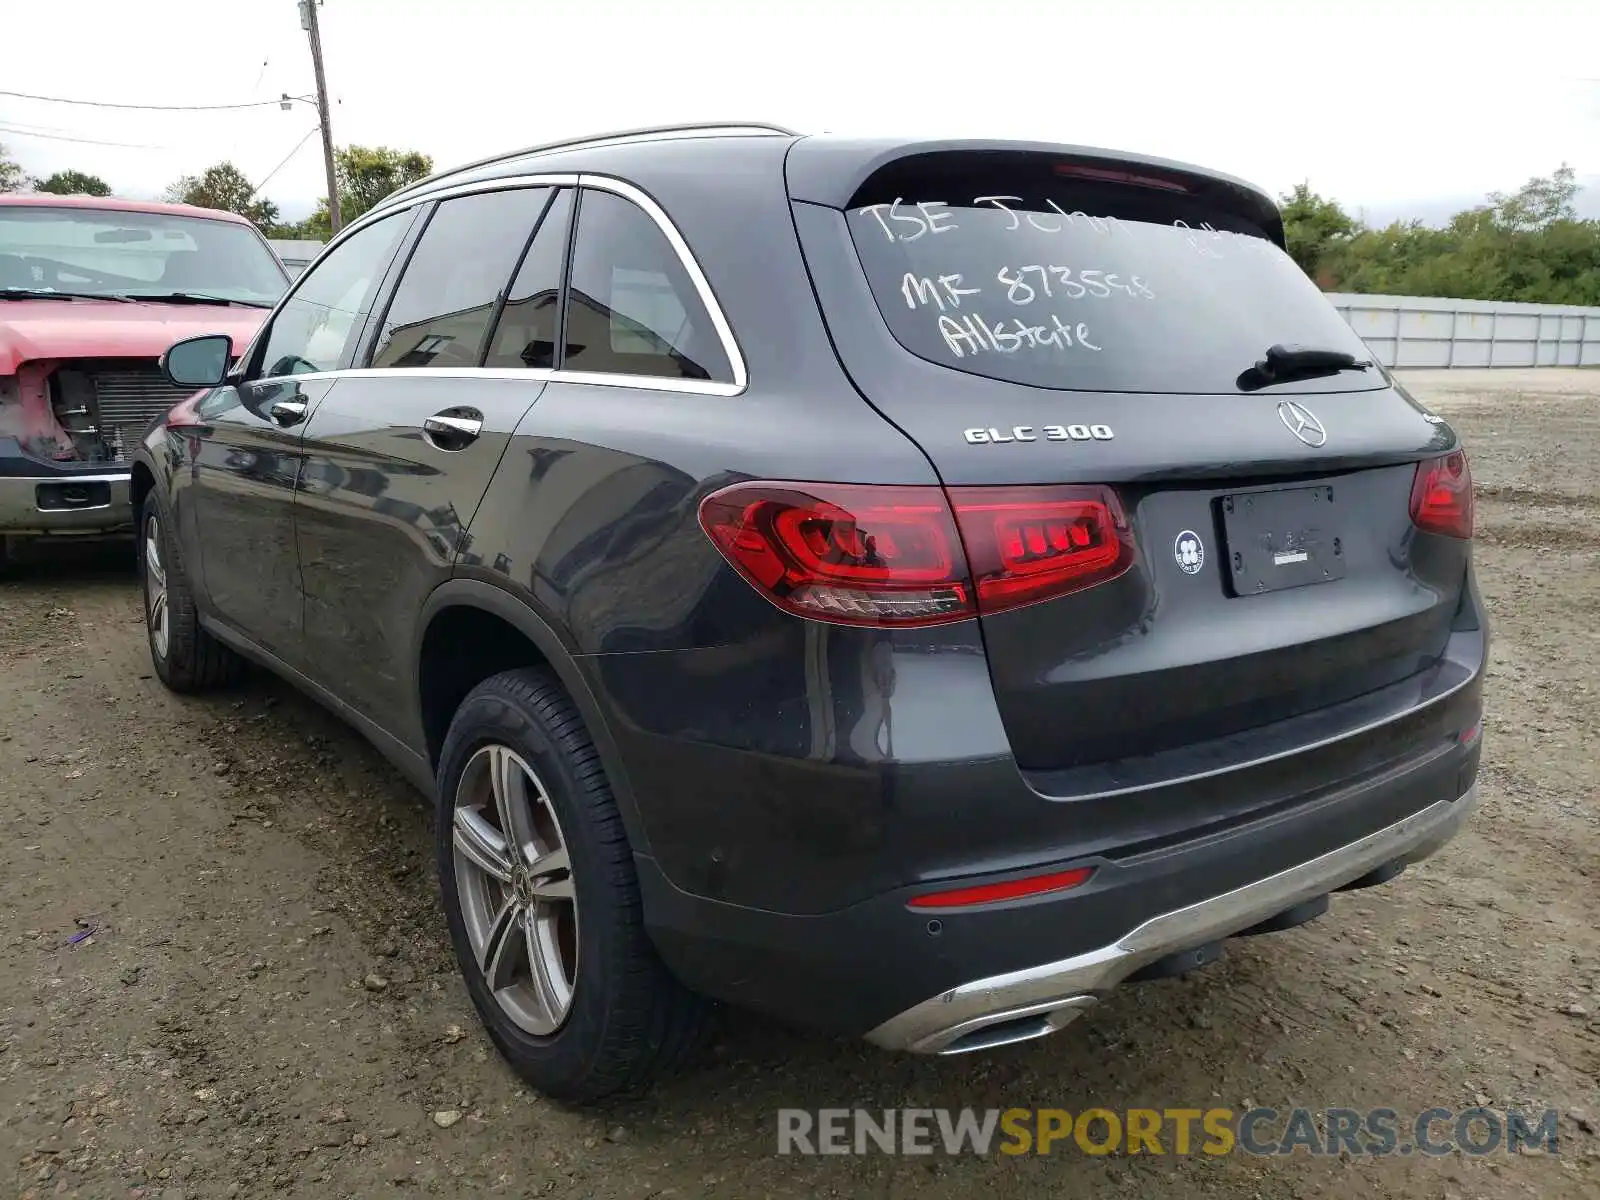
(1039, 276)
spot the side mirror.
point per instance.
(198, 362)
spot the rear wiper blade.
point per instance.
(1284, 361)
(194, 298)
(16, 293)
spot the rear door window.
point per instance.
(447, 296)
(526, 334)
(1033, 274)
(633, 310)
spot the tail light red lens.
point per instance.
(893, 556)
(845, 553)
(1441, 496)
(1029, 544)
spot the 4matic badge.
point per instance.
(993, 436)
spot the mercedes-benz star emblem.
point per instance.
(1302, 422)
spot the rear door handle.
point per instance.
(451, 430)
(288, 412)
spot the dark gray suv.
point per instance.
(907, 588)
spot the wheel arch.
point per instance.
(440, 679)
(140, 485)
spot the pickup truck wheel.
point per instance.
(186, 657)
(543, 901)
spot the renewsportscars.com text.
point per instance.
(1376, 1132)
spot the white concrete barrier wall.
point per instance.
(295, 254)
(1424, 331)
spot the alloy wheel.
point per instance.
(515, 888)
(155, 588)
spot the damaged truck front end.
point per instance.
(66, 431)
(92, 292)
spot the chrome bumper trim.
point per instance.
(20, 512)
(1042, 999)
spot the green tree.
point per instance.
(224, 186)
(1528, 246)
(11, 176)
(1315, 228)
(73, 183)
(369, 173)
(365, 174)
(1539, 203)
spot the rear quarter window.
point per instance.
(1033, 276)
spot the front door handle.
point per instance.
(450, 430)
(288, 412)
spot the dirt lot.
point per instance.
(265, 1003)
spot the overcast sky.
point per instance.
(1380, 104)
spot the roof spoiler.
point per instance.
(830, 171)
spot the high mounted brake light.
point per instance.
(1441, 496)
(1114, 175)
(859, 554)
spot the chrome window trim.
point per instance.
(605, 183)
(702, 285)
(658, 383)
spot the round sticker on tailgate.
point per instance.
(1191, 555)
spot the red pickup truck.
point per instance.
(92, 292)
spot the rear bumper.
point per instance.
(1039, 1000)
(786, 839)
(65, 504)
(950, 980)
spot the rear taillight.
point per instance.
(868, 555)
(845, 553)
(1029, 544)
(1441, 496)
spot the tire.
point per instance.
(626, 1019)
(186, 657)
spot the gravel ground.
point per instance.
(265, 1003)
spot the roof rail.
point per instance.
(586, 140)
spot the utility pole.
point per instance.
(308, 22)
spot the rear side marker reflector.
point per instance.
(1441, 496)
(859, 554)
(1011, 889)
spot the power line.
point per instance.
(314, 129)
(12, 131)
(141, 107)
(30, 128)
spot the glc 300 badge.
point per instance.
(993, 436)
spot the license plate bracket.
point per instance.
(1282, 538)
